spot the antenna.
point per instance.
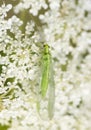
(40, 30)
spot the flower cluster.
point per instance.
(65, 26)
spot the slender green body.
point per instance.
(46, 70)
(47, 81)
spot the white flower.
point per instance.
(65, 26)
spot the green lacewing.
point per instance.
(47, 80)
(45, 72)
(47, 77)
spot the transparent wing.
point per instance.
(51, 100)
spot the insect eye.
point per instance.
(46, 45)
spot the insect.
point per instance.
(47, 76)
(45, 72)
(47, 80)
